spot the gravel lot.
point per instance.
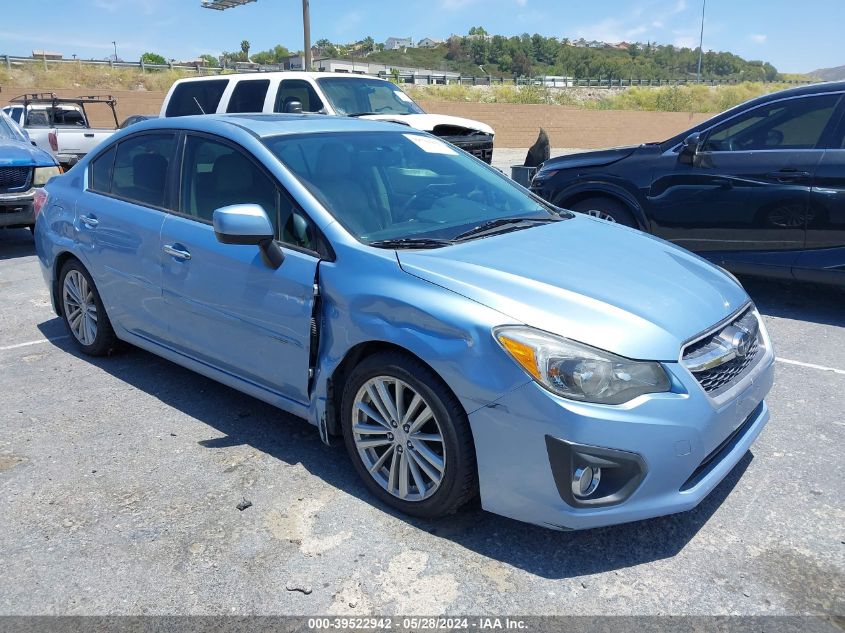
(120, 477)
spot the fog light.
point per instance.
(585, 481)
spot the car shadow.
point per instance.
(246, 421)
(16, 243)
(801, 301)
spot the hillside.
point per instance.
(836, 73)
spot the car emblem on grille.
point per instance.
(741, 343)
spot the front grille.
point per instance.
(14, 178)
(479, 145)
(718, 344)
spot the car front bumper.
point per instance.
(16, 208)
(684, 441)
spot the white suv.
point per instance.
(340, 94)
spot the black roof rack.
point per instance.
(51, 97)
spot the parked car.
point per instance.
(759, 189)
(455, 330)
(23, 168)
(60, 125)
(136, 118)
(340, 94)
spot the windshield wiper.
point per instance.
(512, 224)
(355, 114)
(411, 242)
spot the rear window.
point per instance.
(196, 97)
(248, 96)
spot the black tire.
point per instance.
(105, 341)
(459, 482)
(605, 208)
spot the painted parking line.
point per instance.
(810, 365)
(37, 342)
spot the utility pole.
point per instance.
(306, 29)
(701, 40)
(115, 50)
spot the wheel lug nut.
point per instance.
(411, 446)
(393, 424)
(406, 428)
(390, 436)
(398, 449)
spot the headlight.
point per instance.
(43, 174)
(545, 175)
(580, 372)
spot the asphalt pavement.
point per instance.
(120, 480)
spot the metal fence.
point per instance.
(409, 78)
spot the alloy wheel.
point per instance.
(601, 215)
(398, 438)
(79, 307)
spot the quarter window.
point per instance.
(196, 97)
(140, 168)
(248, 96)
(297, 90)
(791, 124)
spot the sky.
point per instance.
(795, 37)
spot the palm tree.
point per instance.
(245, 49)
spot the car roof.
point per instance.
(286, 74)
(264, 125)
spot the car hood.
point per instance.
(589, 159)
(22, 154)
(427, 122)
(591, 281)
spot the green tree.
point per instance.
(153, 58)
(210, 60)
(245, 49)
(275, 55)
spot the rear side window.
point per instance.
(248, 96)
(297, 90)
(791, 124)
(102, 168)
(196, 97)
(140, 168)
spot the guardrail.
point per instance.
(410, 78)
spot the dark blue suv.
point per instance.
(759, 189)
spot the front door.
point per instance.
(746, 196)
(118, 221)
(225, 306)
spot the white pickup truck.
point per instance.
(59, 125)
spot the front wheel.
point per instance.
(408, 436)
(83, 311)
(606, 209)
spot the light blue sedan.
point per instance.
(463, 336)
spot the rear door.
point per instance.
(225, 306)
(745, 199)
(824, 258)
(119, 218)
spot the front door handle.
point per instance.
(89, 220)
(785, 175)
(178, 253)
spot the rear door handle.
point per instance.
(89, 135)
(785, 175)
(89, 220)
(178, 253)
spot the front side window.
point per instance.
(196, 97)
(248, 96)
(297, 90)
(353, 97)
(392, 185)
(796, 123)
(215, 175)
(140, 168)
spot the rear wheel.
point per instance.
(408, 436)
(606, 209)
(83, 311)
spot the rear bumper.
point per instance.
(16, 208)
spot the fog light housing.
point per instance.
(585, 480)
(593, 476)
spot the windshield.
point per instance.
(392, 185)
(366, 96)
(8, 130)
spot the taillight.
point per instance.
(39, 201)
(54, 142)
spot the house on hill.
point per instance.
(397, 43)
(429, 42)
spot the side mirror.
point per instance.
(293, 107)
(690, 148)
(248, 224)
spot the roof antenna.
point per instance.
(198, 105)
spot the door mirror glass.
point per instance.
(292, 106)
(689, 148)
(242, 224)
